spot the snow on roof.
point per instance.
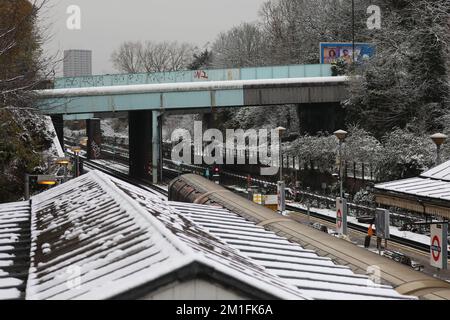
(441, 172)
(422, 187)
(434, 183)
(14, 249)
(96, 237)
(316, 277)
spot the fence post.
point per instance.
(363, 170)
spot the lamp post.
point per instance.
(76, 151)
(63, 162)
(281, 185)
(353, 30)
(341, 135)
(45, 180)
(438, 139)
(341, 203)
(280, 131)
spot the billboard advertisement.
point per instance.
(331, 52)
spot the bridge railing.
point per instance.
(271, 72)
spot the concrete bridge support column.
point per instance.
(207, 121)
(156, 147)
(58, 124)
(94, 142)
(320, 117)
(140, 143)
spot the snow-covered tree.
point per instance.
(407, 81)
(23, 131)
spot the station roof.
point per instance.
(97, 237)
(14, 249)
(429, 193)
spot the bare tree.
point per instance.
(127, 58)
(242, 46)
(133, 57)
(23, 65)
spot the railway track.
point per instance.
(147, 186)
(143, 184)
(355, 227)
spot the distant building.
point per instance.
(77, 63)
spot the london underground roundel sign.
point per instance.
(438, 245)
(436, 248)
(339, 218)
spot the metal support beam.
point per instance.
(140, 144)
(94, 135)
(156, 147)
(77, 117)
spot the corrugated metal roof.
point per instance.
(14, 249)
(96, 237)
(421, 187)
(316, 277)
(441, 172)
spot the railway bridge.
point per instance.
(144, 98)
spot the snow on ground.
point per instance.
(107, 127)
(113, 165)
(331, 213)
(393, 230)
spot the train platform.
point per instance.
(193, 188)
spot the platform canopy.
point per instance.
(428, 194)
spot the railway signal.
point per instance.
(216, 174)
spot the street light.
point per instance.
(281, 185)
(76, 150)
(84, 141)
(341, 135)
(341, 203)
(43, 180)
(65, 163)
(280, 131)
(438, 139)
(353, 31)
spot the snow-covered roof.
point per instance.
(96, 237)
(433, 184)
(14, 249)
(421, 187)
(441, 172)
(316, 277)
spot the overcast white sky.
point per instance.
(107, 23)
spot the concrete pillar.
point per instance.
(316, 117)
(208, 121)
(140, 143)
(94, 134)
(156, 147)
(58, 123)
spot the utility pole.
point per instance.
(353, 31)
